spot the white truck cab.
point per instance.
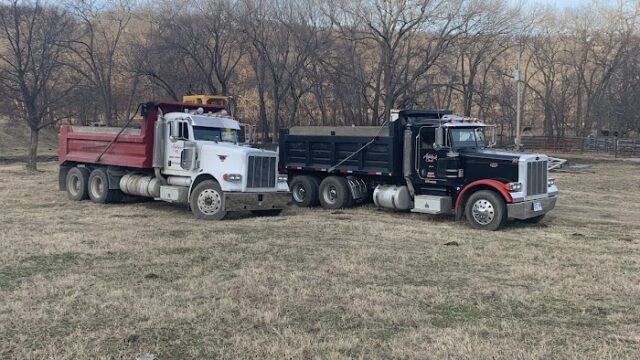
(203, 164)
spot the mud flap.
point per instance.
(459, 212)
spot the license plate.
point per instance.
(537, 206)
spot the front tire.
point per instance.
(486, 210)
(207, 201)
(304, 191)
(335, 193)
(77, 182)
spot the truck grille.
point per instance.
(261, 172)
(537, 177)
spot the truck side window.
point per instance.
(175, 129)
(179, 130)
(185, 130)
(428, 137)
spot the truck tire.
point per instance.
(485, 210)
(98, 188)
(270, 212)
(335, 193)
(304, 191)
(77, 182)
(207, 201)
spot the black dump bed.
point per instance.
(378, 150)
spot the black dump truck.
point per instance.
(426, 161)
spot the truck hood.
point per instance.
(229, 149)
(492, 154)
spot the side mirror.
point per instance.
(188, 156)
(175, 130)
(494, 140)
(490, 139)
(439, 143)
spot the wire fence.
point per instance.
(608, 145)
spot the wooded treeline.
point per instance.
(331, 62)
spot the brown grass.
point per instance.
(80, 280)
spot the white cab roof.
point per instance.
(214, 121)
(207, 120)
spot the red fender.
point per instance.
(495, 184)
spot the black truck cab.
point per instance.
(427, 161)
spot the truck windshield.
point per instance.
(215, 134)
(467, 138)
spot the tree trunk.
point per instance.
(276, 113)
(107, 108)
(32, 158)
(294, 111)
(578, 125)
(263, 115)
(389, 89)
(548, 113)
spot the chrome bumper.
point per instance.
(524, 210)
(255, 201)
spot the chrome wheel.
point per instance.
(74, 185)
(299, 193)
(97, 187)
(209, 201)
(304, 190)
(330, 194)
(77, 183)
(483, 212)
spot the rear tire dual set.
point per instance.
(332, 193)
(207, 199)
(485, 209)
(94, 185)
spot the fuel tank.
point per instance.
(140, 185)
(392, 197)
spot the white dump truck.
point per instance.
(181, 153)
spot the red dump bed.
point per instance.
(132, 148)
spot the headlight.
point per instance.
(551, 182)
(282, 178)
(513, 187)
(232, 177)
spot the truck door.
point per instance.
(427, 155)
(178, 137)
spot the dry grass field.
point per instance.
(85, 281)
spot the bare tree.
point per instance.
(282, 42)
(167, 70)
(624, 92)
(340, 62)
(409, 35)
(31, 63)
(102, 25)
(555, 82)
(600, 41)
(204, 33)
(486, 37)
